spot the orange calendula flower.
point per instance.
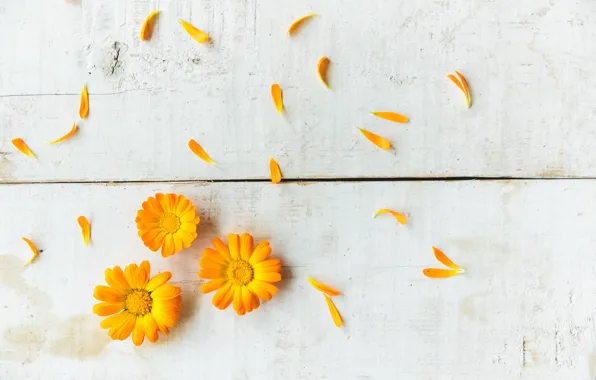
(298, 23)
(84, 106)
(148, 25)
(326, 289)
(391, 116)
(379, 141)
(333, 310)
(168, 222)
(322, 68)
(85, 229)
(277, 97)
(22, 147)
(199, 151)
(196, 34)
(442, 273)
(461, 82)
(240, 274)
(71, 133)
(33, 249)
(401, 218)
(136, 304)
(275, 171)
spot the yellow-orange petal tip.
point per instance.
(277, 96)
(148, 26)
(401, 218)
(199, 151)
(379, 141)
(85, 229)
(322, 68)
(298, 23)
(70, 133)
(274, 171)
(325, 289)
(33, 249)
(196, 34)
(391, 116)
(22, 147)
(84, 106)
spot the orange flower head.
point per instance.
(168, 222)
(136, 304)
(240, 274)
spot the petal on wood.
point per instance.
(391, 116)
(444, 259)
(379, 141)
(84, 107)
(441, 273)
(322, 68)
(298, 23)
(326, 289)
(71, 133)
(199, 151)
(277, 97)
(466, 88)
(33, 249)
(275, 171)
(22, 147)
(333, 310)
(198, 35)
(148, 26)
(85, 229)
(401, 218)
(462, 86)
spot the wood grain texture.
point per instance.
(528, 65)
(523, 310)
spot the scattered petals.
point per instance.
(322, 68)
(199, 151)
(461, 82)
(391, 116)
(22, 147)
(401, 218)
(71, 133)
(444, 259)
(198, 35)
(33, 249)
(379, 141)
(443, 273)
(85, 229)
(333, 310)
(148, 25)
(84, 107)
(277, 97)
(326, 289)
(275, 172)
(298, 23)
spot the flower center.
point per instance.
(240, 272)
(138, 302)
(170, 223)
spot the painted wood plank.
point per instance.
(524, 309)
(529, 67)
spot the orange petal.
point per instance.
(275, 172)
(400, 217)
(323, 288)
(333, 310)
(85, 229)
(441, 273)
(379, 141)
(459, 84)
(84, 107)
(22, 147)
(196, 34)
(444, 259)
(33, 249)
(147, 28)
(466, 89)
(296, 24)
(322, 68)
(391, 116)
(277, 97)
(199, 151)
(71, 133)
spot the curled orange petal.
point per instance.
(391, 116)
(199, 151)
(22, 147)
(277, 97)
(33, 249)
(71, 133)
(148, 25)
(401, 218)
(196, 34)
(296, 24)
(440, 273)
(84, 107)
(379, 141)
(85, 229)
(322, 68)
(444, 259)
(275, 172)
(326, 289)
(460, 82)
(333, 310)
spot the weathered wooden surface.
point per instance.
(524, 310)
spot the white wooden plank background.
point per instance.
(524, 310)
